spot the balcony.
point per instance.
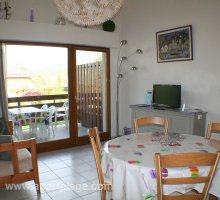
(89, 114)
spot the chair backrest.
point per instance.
(66, 103)
(66, 106)
(96, 146)
(51, 110)
(213, 127)
(149, 120)
(185, 160)
(44, 107)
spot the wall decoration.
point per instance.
(88, 12)
(109, 26)
(174, 44)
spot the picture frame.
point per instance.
(174, 44)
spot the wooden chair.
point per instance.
(24, 165)
(97, 139)
(184, 160)
(149, 120)
(10, 127)
(213, 127)
(96, 146)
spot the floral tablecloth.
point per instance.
(27, 116)
(129, 162)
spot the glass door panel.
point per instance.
(37, 88)
(91, 90)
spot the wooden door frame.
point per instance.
(105, 135)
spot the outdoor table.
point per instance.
(27, 116)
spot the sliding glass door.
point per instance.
(92, 90)
(56, 92)
(37, 88)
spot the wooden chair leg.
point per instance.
(37, 184)
(103, 194)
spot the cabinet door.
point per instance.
(181, 124)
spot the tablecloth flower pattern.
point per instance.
(31, 118)
(131, 163)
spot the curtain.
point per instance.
(3, 94)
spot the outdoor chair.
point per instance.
(63, 112)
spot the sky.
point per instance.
(44, 57)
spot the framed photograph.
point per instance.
(174, 44)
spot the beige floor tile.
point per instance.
(82, 168)
(53, 185)
(65, 172)
(90, 175)
(56, 165)
(87, 188)
(47, 176)
(74, 179)
(63, 195)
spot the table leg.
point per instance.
(20, 134)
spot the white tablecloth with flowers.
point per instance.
(129, 162)
(27, 116)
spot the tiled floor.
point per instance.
(64, 175)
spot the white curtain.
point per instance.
(3, 94)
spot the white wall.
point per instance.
(199, 78)
(138, 22)
(18, 28)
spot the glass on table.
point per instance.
(164, 142)
(175, 138)
(157, 135)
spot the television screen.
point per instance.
(167, 95)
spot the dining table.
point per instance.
(27, 116)
(129, 162)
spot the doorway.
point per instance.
(75, 80)
(92, 90)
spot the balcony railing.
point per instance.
(37, 101)
(89, 108)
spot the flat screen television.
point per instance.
(167, 96)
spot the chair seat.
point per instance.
(25, 163)
(61, 115)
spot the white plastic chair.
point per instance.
(63, 112)
(44, 119)
(44, 107)
(52, 112)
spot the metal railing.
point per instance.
(89, 109)
(37, 101)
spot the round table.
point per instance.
(129, 162)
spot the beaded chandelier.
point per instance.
(88, 12)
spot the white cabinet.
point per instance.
(185, 122)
